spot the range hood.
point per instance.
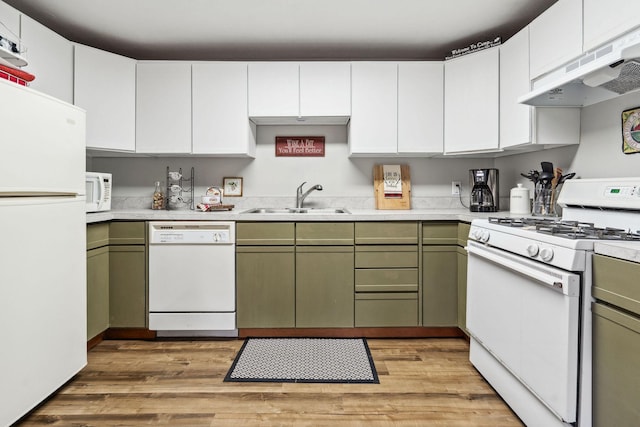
(604, 73)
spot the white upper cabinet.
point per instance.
(325, 89)
(605, 20)
(163, 107)
(273, 89)
(105, 86)
(420, 107)
(9, 29)
(515, 118)
(281, 90)
(522, 126)
(471, 113)
(373, 128)
(221, 126)
(50, 59)
(556, 36)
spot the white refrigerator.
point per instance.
(42, 247)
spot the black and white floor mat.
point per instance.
(308, 360)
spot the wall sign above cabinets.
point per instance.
(475, 47)
(299, 146)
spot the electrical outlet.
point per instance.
(455, 187)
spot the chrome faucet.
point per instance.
(300, 196)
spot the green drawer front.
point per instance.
(389, 256)
(440, 233)
(127, 233)
(265, 233)
(324, 233)
(265, 249)
(387, 280)
(386, 310)
(97, 235)
(375, 233)
(616, 281)
(463, 233)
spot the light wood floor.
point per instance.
(423, 382)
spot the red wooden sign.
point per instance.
(299, 146)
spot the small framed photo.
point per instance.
(232, 186)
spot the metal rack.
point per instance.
(176, 187)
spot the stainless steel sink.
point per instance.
(317, 211)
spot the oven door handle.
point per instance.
(565, 282)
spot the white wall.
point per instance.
(267, 175)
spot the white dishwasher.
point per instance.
(192, 289)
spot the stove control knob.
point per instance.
(532, 249)
(546, 254)
(475, 234)
(485, 236)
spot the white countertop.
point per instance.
(237, 215)
(629, 251)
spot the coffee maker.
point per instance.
(484, 190)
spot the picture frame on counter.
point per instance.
(232, 186)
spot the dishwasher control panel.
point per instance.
(191, 233)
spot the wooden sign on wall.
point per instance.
(299, 146)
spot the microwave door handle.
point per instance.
(564, 285)
(101, 195)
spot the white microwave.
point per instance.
(98, 191)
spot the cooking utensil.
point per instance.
(547, 167)
(563, 178)
(532, 176)
(557, 174)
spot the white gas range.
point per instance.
(529, 299)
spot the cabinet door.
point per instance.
(50, 58)
(471, 102)
(604, 21)
(373, 128)
(520, 124)
(221, 124)
(556, 36)
(163, 107)
(105, 86)
(325, 89)
(440, 286)
(273, 89)
(324, 287)
(97, 291)
(265, 278)
(515, 118)
(127, 286)
(420, 107)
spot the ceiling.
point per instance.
(283, 29)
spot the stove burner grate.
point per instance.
(568, 229)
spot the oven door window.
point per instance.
(526, 314)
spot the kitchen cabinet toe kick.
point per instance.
(364, 332)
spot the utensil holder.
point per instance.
(544, 203)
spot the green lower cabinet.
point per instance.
(265, 279)
(324, 286)
(127, 286)
(439, 286)
(386, 309)
(462, 288)
(97, 291)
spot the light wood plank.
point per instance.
(180, 383)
